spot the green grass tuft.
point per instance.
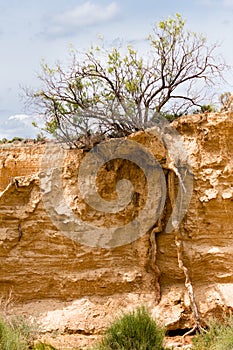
(43, 346)
(10, 337)
(218, 336)
(18, 335)
(135, 330)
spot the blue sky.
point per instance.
(32, 30)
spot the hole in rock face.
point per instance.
(177, 332)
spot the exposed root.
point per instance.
(188, 282)
(180, 256)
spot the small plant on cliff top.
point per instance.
(135, 330)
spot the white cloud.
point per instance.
(21, 117)
(19, 125)
(27, 119)
(85, 15)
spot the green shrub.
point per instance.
(10, 337)
(4, 140)
(205, 108)
(43, 346)
(218, 336)
(16, 138)
(40, 137)
(19, 335)
(135, 330)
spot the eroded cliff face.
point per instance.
(39, 262)
(207, 227)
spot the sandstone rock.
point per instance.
(38, 262)
(208, 225)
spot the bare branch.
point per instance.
(112, 92)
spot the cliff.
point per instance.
(40, 262)
(207, 227)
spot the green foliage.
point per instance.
(171, 116)
(40, 137)
(135, 330)
(51, 126)
(16, 138)
(4, 140)
(116, 92)
(205, 109)
(10, 337)
(43, 346)
(34, 124)
(218, 336)
(18, 335)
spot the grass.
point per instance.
(135, 330)
(43, 346)
(10, 337)
(18, 335)
(218, 336)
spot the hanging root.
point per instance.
(180, 257)
(188, 284)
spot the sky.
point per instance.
(32, 31)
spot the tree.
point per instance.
(118, 92)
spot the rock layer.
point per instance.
(39, 262)
(207, 229)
